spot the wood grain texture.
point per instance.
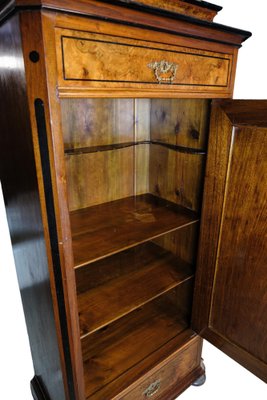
(175, 390)
(101, 122)
(185, 176)
(184, 349)
(138, 14)
(99, 177)
(183, 243)
(141, 167)
(58, 180)
(87, 122)
(142, 119)
(120, 347)
(102, 59)
(144, 16)
(108, 27)
(154, 272)
(160, 39)
(24, 203)
(240, 285)
(234, 281)
(103, 230)
(103, 161)
(182, 7)
(183, 384)
(246, 112)
(137, 340)
(215, 180)
(103, 165)
(180, 122)
(171, 378)
(114, 267)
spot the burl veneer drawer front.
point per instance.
(168, 380)
(92, 60)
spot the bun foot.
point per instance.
(202, 379)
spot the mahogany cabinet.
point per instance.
(135, 195)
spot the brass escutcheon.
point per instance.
(152, 389)
(164, 71)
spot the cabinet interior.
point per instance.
(134, 170)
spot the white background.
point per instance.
(225, 378)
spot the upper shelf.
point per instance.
(109, 228)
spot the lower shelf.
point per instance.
(152, 271)
(121, 353)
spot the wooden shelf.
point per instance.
(116, 146)
(153, 271)
(108, 147)
(109, 228)
(120, 353)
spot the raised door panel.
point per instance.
(231, 285)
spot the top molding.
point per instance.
(192, 8)
(139, 13)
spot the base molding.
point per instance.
(38, 390)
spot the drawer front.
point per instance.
(169, 378)
(101, 61)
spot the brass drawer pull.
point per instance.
(164, 71)
(152, 389)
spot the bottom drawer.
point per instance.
(171, 377)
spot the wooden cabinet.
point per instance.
(110, 136)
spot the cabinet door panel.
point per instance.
(231, 286)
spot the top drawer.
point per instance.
(96, 62)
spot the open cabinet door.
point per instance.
(230, 302)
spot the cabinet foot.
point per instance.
(37, 389)
(202, 379)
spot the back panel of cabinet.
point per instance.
(116, 148)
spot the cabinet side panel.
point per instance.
(19, 181)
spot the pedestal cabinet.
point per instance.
(136, 203)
